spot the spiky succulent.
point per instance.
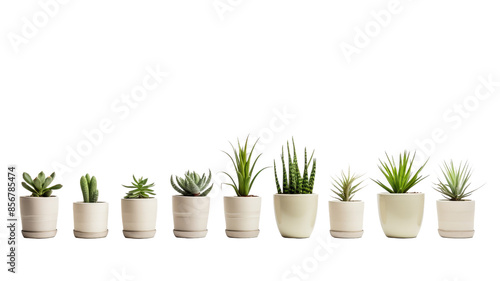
(400, 176)
(456, 181)
(243, 166)
(39, 187)
(89, 189)
(346, 186)
(192, 184)
(296, 183)
(140, 189)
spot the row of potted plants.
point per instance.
(295, 204)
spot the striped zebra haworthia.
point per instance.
(294, 182)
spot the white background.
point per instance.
(231, 74)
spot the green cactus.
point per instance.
(89, 189)
(192, 184)
(296, 183)
(39, 187)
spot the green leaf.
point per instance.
(41, 177)
(28, 188)
(57, 186)
(37, 184)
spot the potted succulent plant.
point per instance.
(295, 205)
(139, 210)
(90, 216)
(346, 215)
(400, 211)
(39, 211)
(242, 212)
(455, 213)
(190, 209)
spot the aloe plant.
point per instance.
(89, 189)
(192, 184)
(140, 189)
(244, 168)
(295, 183)
(39, 187)
(455, 185)
(346, 186)
(400, 176)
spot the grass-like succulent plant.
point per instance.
(346, 185)
(295, 183)
(39, 187)
(400, 176)
(89, 189)
(192, 184)
(140, 189)
(244, 168)
(456, 181)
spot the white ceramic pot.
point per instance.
(139, 217)
(456, 218)
(39, 216)
(401, 214)
(90, 219)
(242, 216)
(190, 216)
(346, 219)
(295, 214)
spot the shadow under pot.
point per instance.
(190, 216)
(90, 219)
(242, 216)
(295, 214)
(39, 216)
(456, 218)
(346, 218)
(139, 217)
(401, 214)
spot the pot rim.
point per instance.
(90, 203)
(193, 197)
(26, 196)
(450, 201)
(135, 199)
(346, 202)
(243, 197)
(295, 195)
(400, 194)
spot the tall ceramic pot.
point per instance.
(90, 219)
(139, 217)
(242, 216)
(39, 216)
(346, 218)
(295, 214)
(190, 216)
(456, 218)
(401, 214)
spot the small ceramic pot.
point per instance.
(242, 216)
(401, 214)
(295, 214)
(190, 216)
(456, 218)
(90, 219)
(39, 216)
(346, 219)
(139, 217)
